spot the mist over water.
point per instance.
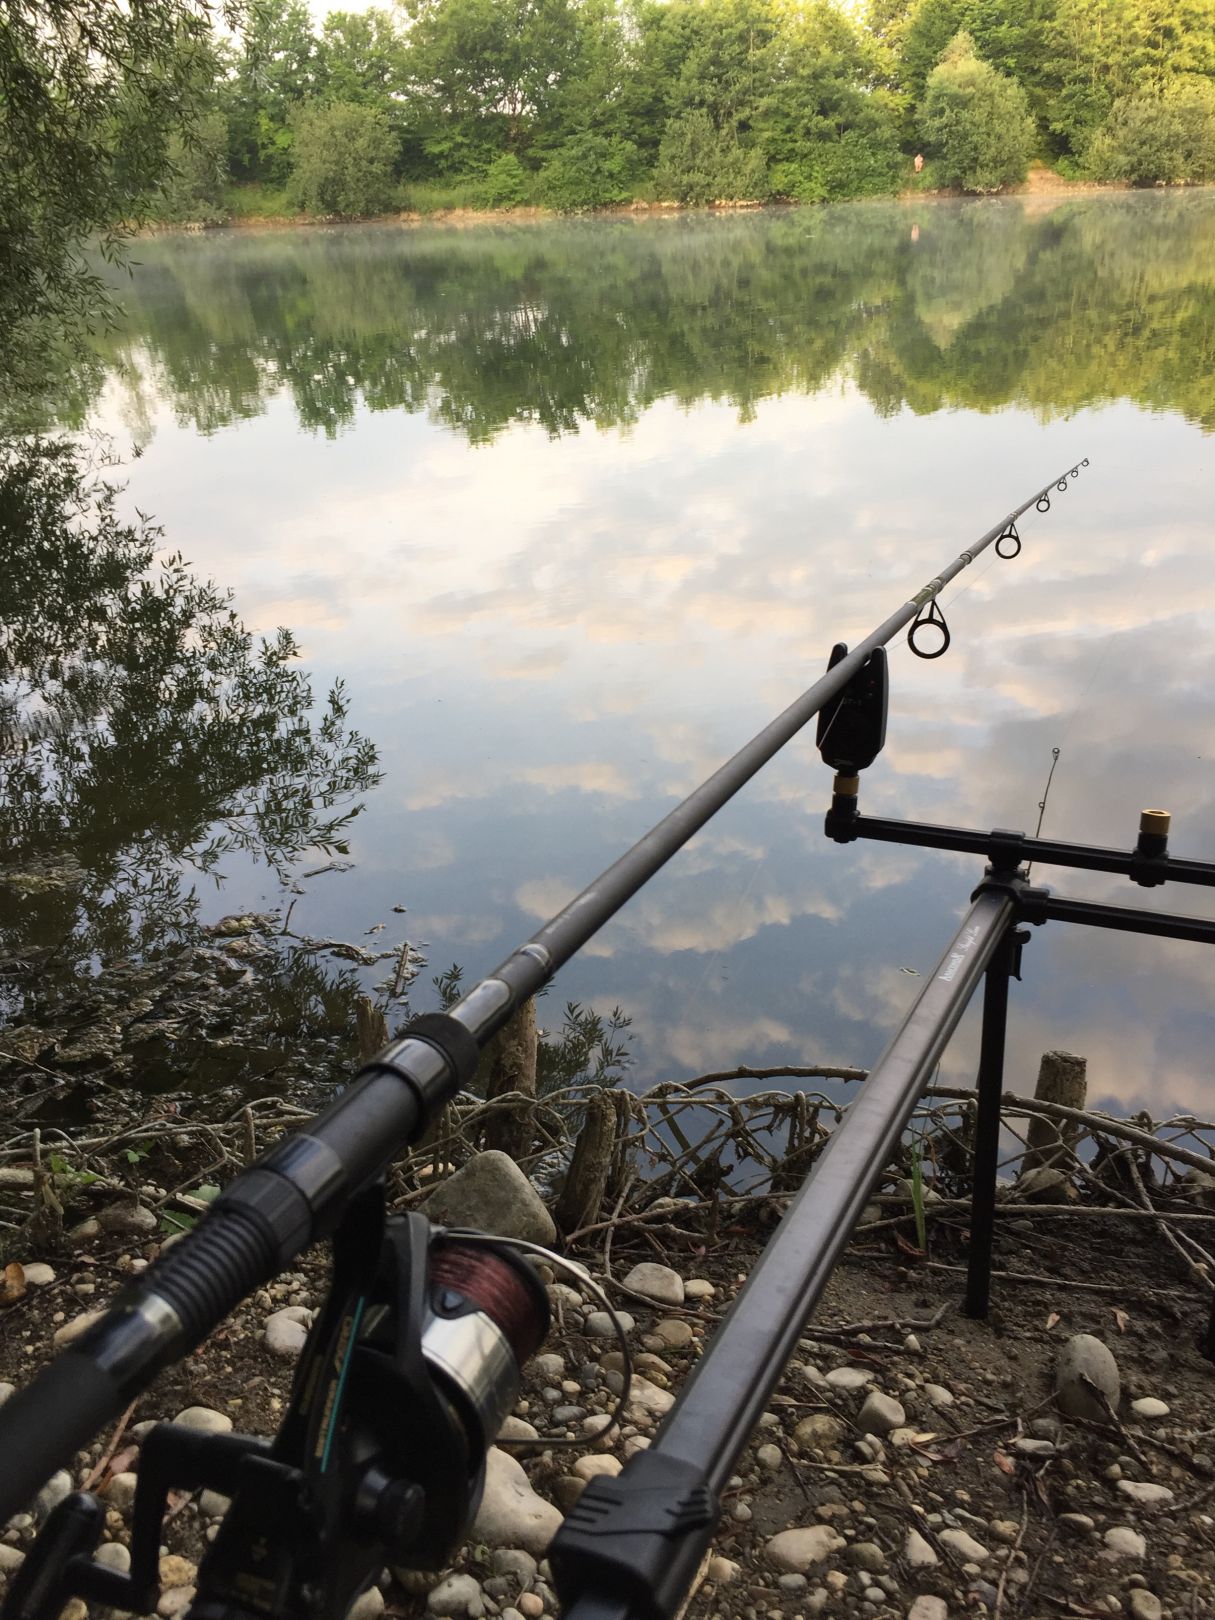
(575, 508)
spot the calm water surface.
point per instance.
(574, 509)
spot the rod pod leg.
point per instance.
(987, 1123)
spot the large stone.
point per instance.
(1085, 1367)
(492, 1194)
(204, 1420)
(1145, 1605)
(656, 1282)
(75, 1329)
(796, 1551)
(1123, 1542)
(919, 1553)
(880, 1414)
(965, 1546)
(928, 1607)
(1150, 1408)
(1145, 1495)
(285, 1332)
(127, 1220)
(511, 1514)
(457, 1595)
(818, 1431)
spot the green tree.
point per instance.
(90, 94)
(277, 67)
(699, 163)
(828, 122)
(1158, 139)
(193, 188)
(343, 157)
(485, 75)
(590, 171)
(975, 121)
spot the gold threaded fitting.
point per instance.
(847, 784)
(1154, 823)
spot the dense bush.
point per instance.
(976, 122)
(343, 159)
(591, 171)
(699, 163)
(1153, 139)
(504, 183)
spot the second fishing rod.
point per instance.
(297, 1193)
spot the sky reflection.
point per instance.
(551, 638)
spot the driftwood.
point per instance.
(1062, 1078)
(512, 1068)
(586, 1180)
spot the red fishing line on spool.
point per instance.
(512, 1298)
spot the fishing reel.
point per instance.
(407, 1374)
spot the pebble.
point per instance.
(75, 1329)
(11, 1558)
(596, 1464)
(457, 1595)
(796, 1551)
(928, 1608)
(7, 1391)
(849, 1378)
(674, 1333)
(649, 1398)
(286, 1331)
(517, 1428)
(38, 1275)
(769, 1457)
(367, 1606)
(656, 1282)
(723, 1570)
(549, 1365)
(1123, 1542)
(919, 1553)
(698, 1288)
(1145, 1605)
(880, 1414)
(1005, 1531)
(176, 1571)
(792, 1582)
(1085, 1362)
(938, 1394)
(204, 1420)
(174, 1601)
(1144, 1495)
(511, 1513)
(818, 1431)
(599, 1325)
(113, 1555)
(531, 1604)
(1079, 1522)
(120, 1492)
(127, 1220)
(965, 1546)
(1146, 1407)
(514, 1561)
(867, 1555)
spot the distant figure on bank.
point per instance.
(919, 161)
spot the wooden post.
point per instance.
(587, 1177)
(372, 1028)
(512, 1067)
(1062, 1078)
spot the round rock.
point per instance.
(656, 1282)
(1086, 1366)
(492, 1193)
(849, 1378)
(204, 1420)
(1143, 1494)
(1123, 1542)
(511, 1513)
(457, 1595)
(1145, 1605)
(796, 1551)
(880, 1414)
(1147, 1407)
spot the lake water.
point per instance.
(575, 508)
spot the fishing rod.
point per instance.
(434, 1349)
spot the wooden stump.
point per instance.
(1062, 1078)
(371, 1027)
(512, 1067)
(586, 1179)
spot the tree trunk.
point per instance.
(513, 1068)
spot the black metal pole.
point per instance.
(987, 1124)
(594, 1563)
(297, 1192)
